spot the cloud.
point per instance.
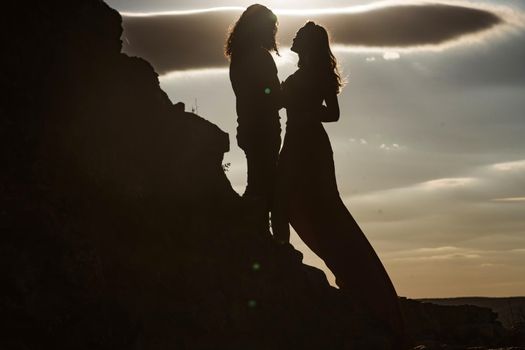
(481, 210)
(196, 39)
(445, 183)
(510, 200)
(464, 269)
(392, 147)
(189, 73)
(391, 55)
(510, 166)
(490, 257)
(438, 249)
(443, 253)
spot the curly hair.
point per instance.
(256, 27)
(315, 53)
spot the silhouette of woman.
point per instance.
(253, 76)
(306, 191)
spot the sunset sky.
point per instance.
(430, 147)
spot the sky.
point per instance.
(429, 150)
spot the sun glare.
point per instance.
(288, 11)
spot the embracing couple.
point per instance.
(298, 184)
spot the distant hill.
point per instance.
(510, 310)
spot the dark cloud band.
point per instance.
(179, 42)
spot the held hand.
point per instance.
(326, 115)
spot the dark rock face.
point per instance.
(119, 228)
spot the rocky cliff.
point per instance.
(119, 228)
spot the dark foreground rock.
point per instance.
(119, 228)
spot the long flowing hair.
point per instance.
(257, 27)
(315, 55)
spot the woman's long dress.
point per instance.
(308, 198)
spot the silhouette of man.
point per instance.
(253, 76)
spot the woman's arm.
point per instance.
(330, 112)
